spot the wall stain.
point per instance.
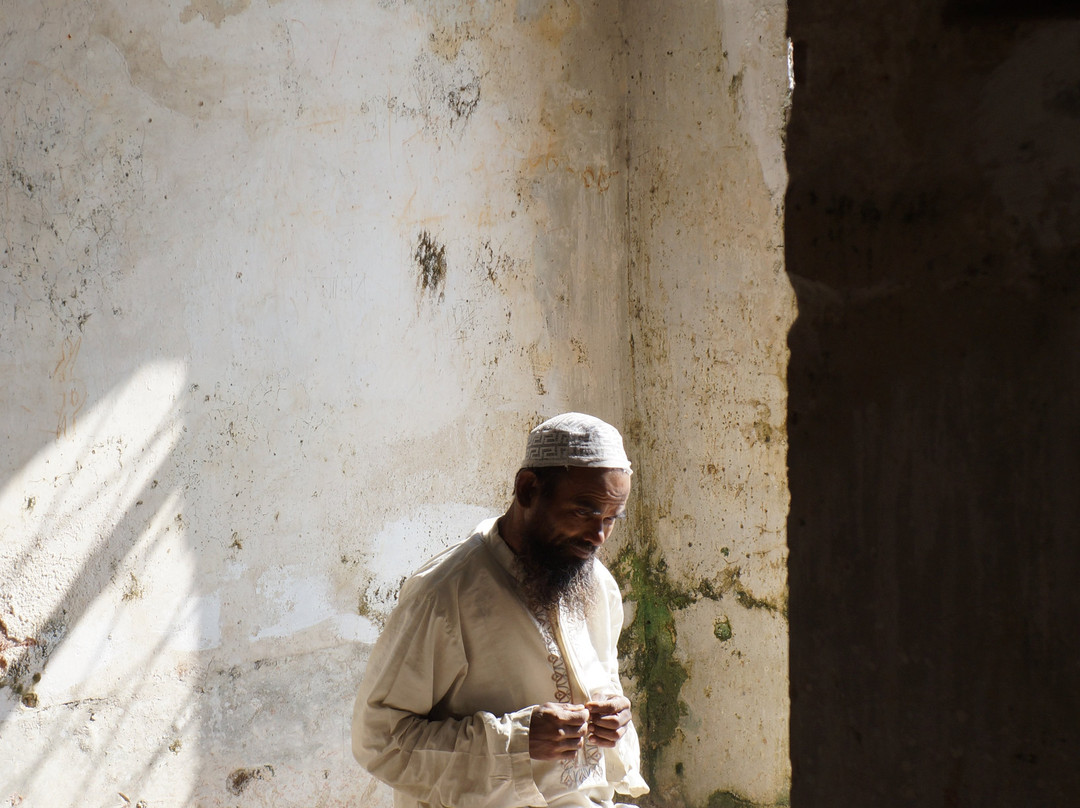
(722, 628)
(730, 582)
(494, 266)
(241, 778)
(134, 590)
(554, 22)
(430, 257)
(23, 658)
(70, 388)
(735, 85)
(462, 100)
(447, 40)
(596, 177)
(213, 11)
(729, 799)
(21, 178)
(581, 354)
(761, 431)
(648, 644)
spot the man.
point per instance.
(495, 683)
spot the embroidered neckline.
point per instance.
(587, 762)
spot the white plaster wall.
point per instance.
(234, 417)
(712, 303)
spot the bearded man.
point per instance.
(495, 683)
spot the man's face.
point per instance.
(564, 527)
(570, 522)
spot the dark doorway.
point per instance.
(933, 240)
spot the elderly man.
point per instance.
(495, 682)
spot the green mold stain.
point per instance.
(649, 645)
(729, 799)
(730, 582)
(722, 629)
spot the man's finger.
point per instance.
(607, 737)
(610, 721)
(608, 705)
(573, 712)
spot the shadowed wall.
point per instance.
(932, 235)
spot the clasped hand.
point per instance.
(557, 731)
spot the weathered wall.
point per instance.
(932, 231)
(710, 307)
(285, 283)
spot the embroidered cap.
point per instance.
(576, 439)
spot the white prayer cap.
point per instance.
(576, 439)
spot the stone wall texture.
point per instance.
(284, 284)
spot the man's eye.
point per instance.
(584, 513)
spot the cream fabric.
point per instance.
(443, 711)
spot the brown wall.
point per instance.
(932, 232)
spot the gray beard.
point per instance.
(547, 580)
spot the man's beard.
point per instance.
(549, 576)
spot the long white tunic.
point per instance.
(443, 711)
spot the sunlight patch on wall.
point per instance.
(74, 514)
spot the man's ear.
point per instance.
(526, 488)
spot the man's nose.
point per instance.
(597, 534)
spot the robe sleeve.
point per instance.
(473, 761)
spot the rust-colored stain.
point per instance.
(597, 177)
(7, 642)
(71, 389)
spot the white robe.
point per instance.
(443, 711)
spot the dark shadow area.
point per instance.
(933, 240)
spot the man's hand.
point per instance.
(557, 731)
(608, 717)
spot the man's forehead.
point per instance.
(594, 483)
